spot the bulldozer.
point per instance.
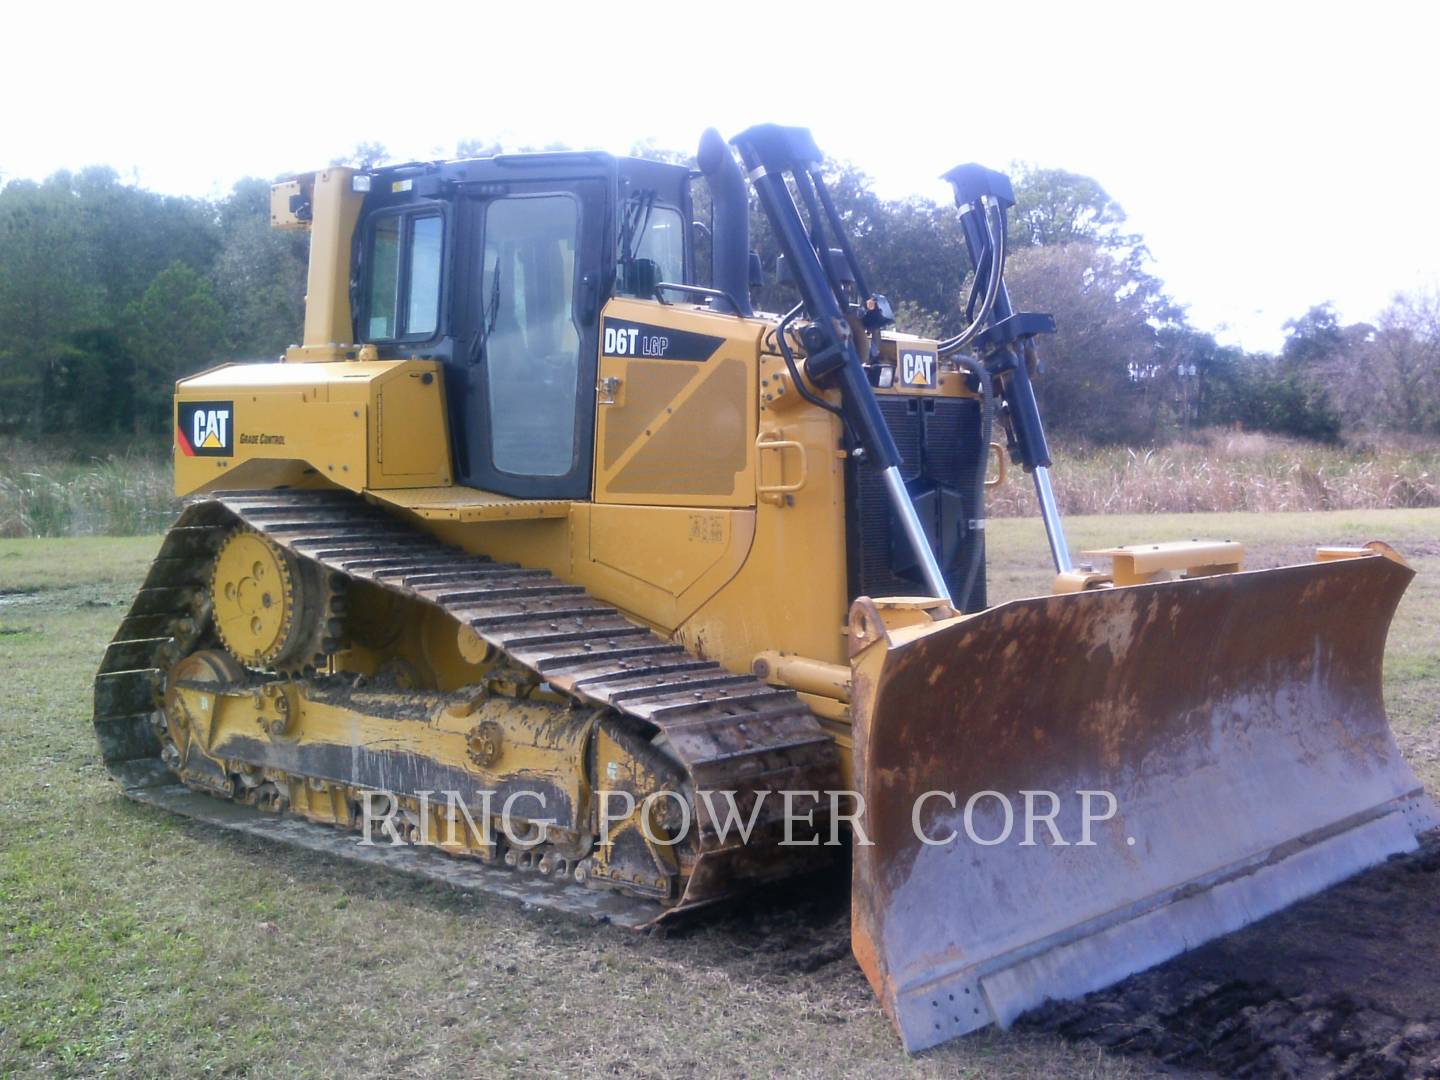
(550, 561)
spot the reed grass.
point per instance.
(1237, 472)
(47, 492)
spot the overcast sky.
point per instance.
(1273, 155)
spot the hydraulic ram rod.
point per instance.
(1054, 530)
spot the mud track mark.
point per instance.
(1346, 984)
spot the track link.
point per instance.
(730, 732)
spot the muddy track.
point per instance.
(1345, 985)
(725, 731)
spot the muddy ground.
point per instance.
(1344, 985)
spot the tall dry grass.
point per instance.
(45, 492)
(1224, 471)
(50, 492)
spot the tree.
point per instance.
(912, 250)
(1395, 371)
(1314, 337)
(1101, 375)
(1257, 391)
(132, 234)
(175, 328)
(1221, 374)
(366, 155)
(1054, 207)
(1382, 377)
(95, 386)
(46, 294)
(477, 148)
(109, 292)
(1196, 373)
(1283, 400)
(259, 274)
(75, 253)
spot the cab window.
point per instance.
(663, 243)
(402, 294)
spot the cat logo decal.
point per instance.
(205, 428)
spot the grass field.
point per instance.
(139, 944)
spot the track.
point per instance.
(728, 731)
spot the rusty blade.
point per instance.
(1237, 720)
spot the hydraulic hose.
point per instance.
(996, 233)
(789, 356)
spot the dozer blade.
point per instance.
(1237, 720)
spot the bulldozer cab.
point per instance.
(498, 268)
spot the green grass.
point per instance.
(134, 943)
(101, 562)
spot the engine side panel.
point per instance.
(358, 424)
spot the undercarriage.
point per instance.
(304, 653)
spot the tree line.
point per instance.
(109, 293)
(1126, 365)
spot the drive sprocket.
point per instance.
(272, 611)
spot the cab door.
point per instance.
(529, 340)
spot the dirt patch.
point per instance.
(1422, 749)
(1345, 984)
(799, 926)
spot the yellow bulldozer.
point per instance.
(543, 568)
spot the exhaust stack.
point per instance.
(731, 243)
